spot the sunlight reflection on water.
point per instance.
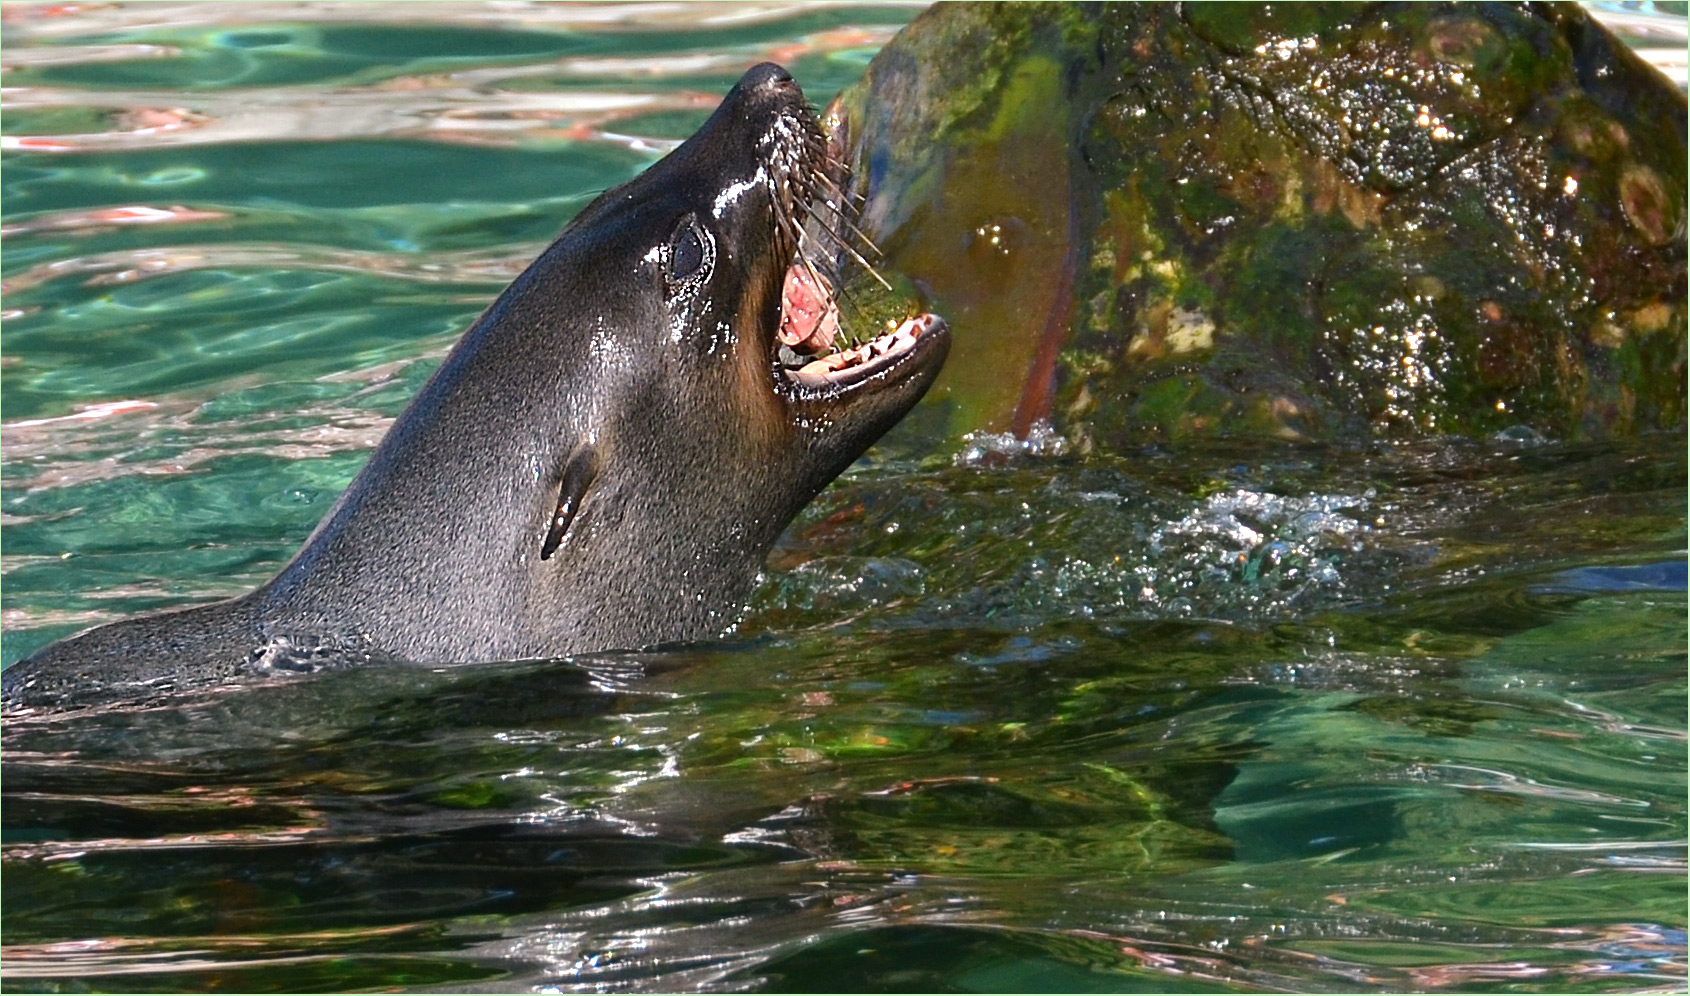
(1403, 719)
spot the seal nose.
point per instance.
(765, 74)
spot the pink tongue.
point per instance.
(809, 320)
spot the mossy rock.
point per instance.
(1303, 221)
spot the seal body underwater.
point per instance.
(602, 461)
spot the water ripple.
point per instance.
(493, 267)
(402, 109)
(1291, 719)
(74, 450)
(42, 22)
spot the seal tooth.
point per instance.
(816, 368)
(845, 368)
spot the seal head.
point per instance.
(603, 460)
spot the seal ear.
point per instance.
(578, 475)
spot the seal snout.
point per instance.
(765, 87)
(767, 74)
(815, 359)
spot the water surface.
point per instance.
(999, 717)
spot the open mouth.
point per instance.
(813, 352)
(813, 349)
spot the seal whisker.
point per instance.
(786, 221)
(857, 200)
(825, 288)
(858, 232)
(840, 241)
(801, 242)
(848, 204)
(789, 226)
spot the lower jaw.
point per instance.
(845, 367)
(810, 328)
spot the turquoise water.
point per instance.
(1409, 717)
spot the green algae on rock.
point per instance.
(1300, 221)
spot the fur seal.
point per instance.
(602, 461)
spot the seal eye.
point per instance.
(691, 253)
(686, 254)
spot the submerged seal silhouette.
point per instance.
(603, 460)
